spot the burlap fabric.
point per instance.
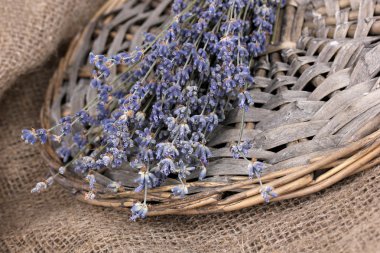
(343, 218)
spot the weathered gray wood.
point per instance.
(56, 106)
(261, 154)
(350, 132)
(127, 12)
(226, 135)
(317, 4)
(306, 147)
(263, 64)
(329, 50)
(77, 99)
(310, 73)
(367, 67)
(102, 180)
(342, 30)
(332, 6)
(227, 166)
(365, 129)
(302, 42)
(81, 52)
(356, 55)
(253, 114)
(298, 20)
(126, 177)
(286, 29)
(365, 20)
(298, 62)
(278, 67)
(90, 96)
(340, 101)
(296, 112)
(355, 4)
(341, 16)
(315, 44)
(284, 97)
(115, 46)
(260, 97)
(354, 109)
(125, 46)
(287, 133)
(291, 52)
(344, 55)
(366, 24)
(154, 19)
(261, 82)
(101, 40)
(281, 81)
(332, 83)
(297, 161)
(322, 30)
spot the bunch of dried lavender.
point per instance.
(158, 115)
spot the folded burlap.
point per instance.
(343, 218)
(32, 30)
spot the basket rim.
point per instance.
(290, 183)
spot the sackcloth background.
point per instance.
(33, 35)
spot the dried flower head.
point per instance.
(267, 193)
(255, 169)
(139, 210)
(180, 190)
(40, 186)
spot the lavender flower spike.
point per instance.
(255, 169)
(139, 210)
(180, 190)
(267, 193)
(29, 136)
(40, 186)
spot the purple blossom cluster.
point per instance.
(157, 116)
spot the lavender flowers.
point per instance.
(158, 115)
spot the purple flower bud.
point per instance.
(40, 186)
(167, 166)
(139, 210)
(180, 190)
(29, 136)
(267, 193)
(62, 170)
(255, 169)
(91, 180)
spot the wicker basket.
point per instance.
(315, 121)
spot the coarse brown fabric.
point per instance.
(343, 218)
(31, 31)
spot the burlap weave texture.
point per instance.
(343, 218)
(32, 30)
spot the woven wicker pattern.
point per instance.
(343, 218)
(316, 96)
